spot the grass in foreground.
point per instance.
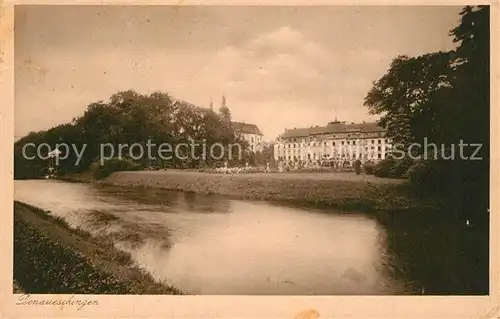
(51, 257)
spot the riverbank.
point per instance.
(343, 191)
(51, 257)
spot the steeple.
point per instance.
(336, 120)
(223, 102)
(211, 105)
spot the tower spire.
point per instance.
(223, 103)
(211, 105)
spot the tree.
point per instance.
(127, 118)
(444, 97)
(472, 83)
(412, 98)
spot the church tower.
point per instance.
(223, 102)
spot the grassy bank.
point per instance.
(343, 191)
(51, 257)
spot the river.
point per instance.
(213, 245)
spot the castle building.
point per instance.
(249, 133)
(246, 131)
(336, 142)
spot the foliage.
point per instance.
(426, 176)
(369, 168)
(383, 168)
(127, 118)
(442, 97)
(412, 97)
(113, 165)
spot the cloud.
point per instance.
(277, 79)
(283, 74)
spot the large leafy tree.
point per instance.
(472, 77)
(444, 97)
(129, 117)
(411, 97)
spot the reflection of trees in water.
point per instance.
(133, 234)
(141, 195)
(153, 196)
(206, 203)
(436, 254)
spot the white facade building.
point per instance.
(336, 142)
(249, 133)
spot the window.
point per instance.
(348, 142)
(379, 148)
(373, 141)
(353, 142)
(326, 143)
(379, 156)
(342, 142)
(380, 141)
(333, 143)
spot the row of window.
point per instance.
(342, 136)
(294, 145)
(341, 154)
(313, 157)
(387, 147)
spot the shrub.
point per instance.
(369, 168)
(427, 176)
(393, 168)
(384, 168)
(113, 165)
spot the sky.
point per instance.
(279, 66)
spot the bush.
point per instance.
(369, 168)
(393, 168)
(384, 168)
(113, 165)
(428, 176)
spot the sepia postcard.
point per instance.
(211, 159)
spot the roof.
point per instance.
(240, 127)
(334, 127)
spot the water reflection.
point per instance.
(212, 245)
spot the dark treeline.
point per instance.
(443, 98)
(128, 118)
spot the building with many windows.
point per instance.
(245, 131)
(337, 143)
(249, 133)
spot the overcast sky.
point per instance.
(280, 67)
